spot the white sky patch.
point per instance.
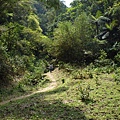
(67, 2)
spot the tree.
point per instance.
(52, 3)
(21, 39)
(66, 46)
(72, 42)
(99, 21)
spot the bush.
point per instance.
(116, 76)
(117, 58)
(32, 78)
(6, 69)
(66, 46)
(84, 93)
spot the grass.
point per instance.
(65, 102)
(19, 88)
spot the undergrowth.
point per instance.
(29, 82)
(85, 94)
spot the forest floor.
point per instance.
(77, 98)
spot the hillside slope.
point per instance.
(84, 98)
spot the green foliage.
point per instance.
(74, 41)
(65, 100)
(71, 13)
(25, 51)
(6, 8)
(65, 43)
(116, 76)
(6, 69)
(21, 46)
(71, 40)
(83, 31)
(90, 75)
(103, 55)
(34, 77)
(33, 22)
(52, 3)
(117, 58)
(97, 81)
(84, 93)
(102, 60)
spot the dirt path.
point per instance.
(52, 85)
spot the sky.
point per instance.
(67, 2)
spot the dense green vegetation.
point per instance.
(83, 41)
(90, 93)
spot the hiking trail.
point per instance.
(52, 85)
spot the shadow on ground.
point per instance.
(37, 108)
(57, 90)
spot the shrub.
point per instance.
(84, 93)
(102, 60)
(6, 69)
(96, 80)
(90, 75)
(116, 78)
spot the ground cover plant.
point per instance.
(67, 101)
(27, 84)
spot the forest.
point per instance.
(83, 44)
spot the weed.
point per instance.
(116, 78)
(45, 81)
(97, 80)
(77, 75)
(32, 79)
(19, 88)
(90, 75)
(85, 93)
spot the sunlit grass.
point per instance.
(65, 102)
